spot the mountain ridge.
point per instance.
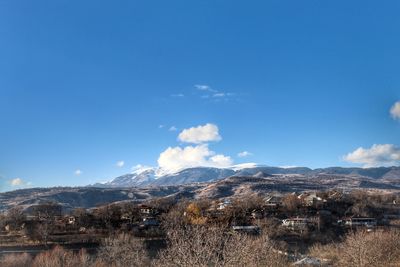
(151, 177)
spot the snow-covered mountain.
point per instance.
(151, 176)
(137, 178)
(154, 176)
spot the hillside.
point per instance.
(151, 177)
(233, 186)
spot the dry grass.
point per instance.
(362, 249)
(211, 246)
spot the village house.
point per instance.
(359, 222)
(147, 211)
(273, 201)
(296, 223)
(311, 199)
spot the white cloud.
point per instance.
(203, 87)
(377, 155)
(140, 168)
(160, 126)
(200, 134)
(219, 95)
(120, 164)
(174, 159)
(220, 161)
(395, 110)
(173, 129)
(213, 95)
(244, 154)
(78, 172)
(178, 95)
(17, 182)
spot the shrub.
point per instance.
(16, 260)
(212, 246)
(122, 250)
(362, 249)
(60, 257)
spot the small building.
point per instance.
(126, 217)
(359, 222)
(148, 211)
(273, 201)
(310, 199)
(296, 223)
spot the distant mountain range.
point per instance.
(151, 177)
(211, 183)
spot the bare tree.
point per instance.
(82, 217)
(59, 257)
(43, 230)
(291, 203)
(15, 217)
(110, 215)
(214, 246)
(245, 250)
(122, 250)
(371, 249)
(16, 260)
(175, 218)
(362, 249)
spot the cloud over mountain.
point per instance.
(377, 155)
(18, 182)
(174, 159)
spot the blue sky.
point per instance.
(87, 84)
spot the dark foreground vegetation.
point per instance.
(310, 229)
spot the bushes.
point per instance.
(187, 246)
(362, 249)
(212, 246)
(122, 250)
(16, 260)
(371, 249)
(59, 257)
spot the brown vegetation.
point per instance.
(14, 260)
(362, 249)
(213, 246)
(59, 257)
(122, 250)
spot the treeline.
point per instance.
(212, 246)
